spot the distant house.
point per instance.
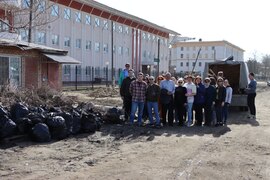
(28, 65)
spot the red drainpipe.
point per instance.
(140, 50)
(132, 49)
(136, 57)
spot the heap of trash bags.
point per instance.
(43, 124)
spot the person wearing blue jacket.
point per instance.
(199, 100)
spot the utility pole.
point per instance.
(113, 83)
(158, 57)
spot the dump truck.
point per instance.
(237, 73)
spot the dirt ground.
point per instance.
(239, 151)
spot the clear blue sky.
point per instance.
(244, 23)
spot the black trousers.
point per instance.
(167, 108)
(198, 113)
(180, 111)
(127, 107)
(208, 111)
(251, 103)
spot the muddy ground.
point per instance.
(239, 151)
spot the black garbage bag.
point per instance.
(76, 123)
(7, 127)
(68, 120)
(57, 127)
(112, 116)
(18, 110)
(3, 111)
(36, 117)
(89, 122)
(25, 125)
(41, 133)
(55, 110)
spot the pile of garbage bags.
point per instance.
(43, 124)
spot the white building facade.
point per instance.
(184, 54)
(100, 37)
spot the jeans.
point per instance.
(225, 112)
(134, 107)
(251, 103)
(150, 106)
(189, 111)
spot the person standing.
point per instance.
(180, 101)
(137, 90)
(123, 74)
(167, 87)
(220, 101)
(228, 100)
(251, 92)
(210, 96)
(152, 95)
(191, 92)
(199, 101)
(125, 94)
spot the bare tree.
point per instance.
(266, 66)
(29, 15)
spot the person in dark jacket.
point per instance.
(220, 100)
(125, 94)
(152, 96)
(180, 101)
(199, 101)
(210, 97)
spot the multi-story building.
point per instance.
(184, 54)
(100, 37)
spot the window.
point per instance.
(88, 70)
(10, 70)
(181, 64)
(193, 55)
(193, 64)
(206, 56)
(181, 55)
(67, 41)
(87, 19)
(120, 50)
(105, 48)
(67, 13)
(114, 49)
(187, 64)
(78, 43)
(67, 69)
(144, 53)
(25, 3)
(182, 48)
(127, 51)
(105, 24)
(97, 22)
(55, 39)
(78, 17)
(213, 47)
(41, 6)
(88, 45)
(55, 10)
(41, 37)
(126, 30)
(79, 70)
(187, 56)
(149, 55)
(97, 46)
(200, 64)
(144, 36)
(120, 29)
(24, 34)
(154, 38)
(149, 36)
(200, 56)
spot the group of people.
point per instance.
(170, 99)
